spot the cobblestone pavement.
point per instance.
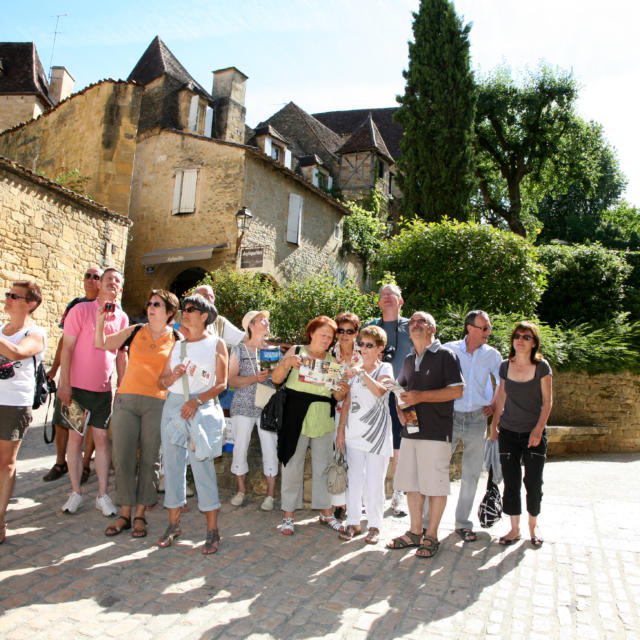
(61, 577)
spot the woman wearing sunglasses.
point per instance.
(364, 431)
(345, 352)
(523, 405)
(191, 428)
(135, 423)
(22, 345)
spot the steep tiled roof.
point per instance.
(305, 133)
(365, 138)
(158, 60)
(346, 122)
(21, 71)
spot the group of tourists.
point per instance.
(402, 396)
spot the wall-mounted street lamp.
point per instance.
(244, 217)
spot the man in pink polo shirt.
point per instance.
(85, 376)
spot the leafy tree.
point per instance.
(582, 182)
(468, 264)
(437, 114)
(518, 131)
(620, 227)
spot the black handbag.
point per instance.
(490, 509)
(273, 412)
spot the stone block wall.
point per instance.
(17, 109)
(52, 236)
(611, 400)
(93, 131)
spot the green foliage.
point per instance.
(518, 130)
(468, 264)
(620, 227)
(300, 301)
(74, 181)
(437, 114)
(631, 301)
(365, 229)
(585, 283)
(291, 306)
(594, 348)
(582, 181)
(240, 291)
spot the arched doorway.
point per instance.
(186, 280)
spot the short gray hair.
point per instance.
(202, 305)
(395, 289)
(208, 289)
(471, 317)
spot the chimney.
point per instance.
(229, 87)
(61, 85)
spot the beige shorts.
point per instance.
(423, 466)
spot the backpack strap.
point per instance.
(132, 335)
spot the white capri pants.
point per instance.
(366, 475)
(242, 427)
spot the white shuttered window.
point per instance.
(184, 193)
(294, 221)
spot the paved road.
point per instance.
(61, 577)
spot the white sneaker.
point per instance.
(267, 504)
(397, 500)
(190, 490)
(72, 503)
(105, 505)
(238, 499)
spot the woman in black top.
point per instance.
(523, 405)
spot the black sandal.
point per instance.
(57, 471)
(139, 532)
(114, 529)
(212, 542)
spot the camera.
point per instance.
(109, 306)
(388, 353)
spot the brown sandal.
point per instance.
(139, 532)
(350, 532)
(373, 535)
(428, 548)
(405, 541)
(114, 529)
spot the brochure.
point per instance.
(75, 416)
(409, 411)
(269, 358)
(321, 372)
(202, 374)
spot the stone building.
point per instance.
(25, 92)
(174, 158)
(52, 235)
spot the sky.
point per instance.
(327, 55)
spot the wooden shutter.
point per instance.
(193, 114)
(294, 221)
(184, 192)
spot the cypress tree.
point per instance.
(437, 113)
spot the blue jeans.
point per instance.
(470, 428)
(513, 449)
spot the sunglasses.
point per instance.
(483, 329)
(523, 336)
(191, 310)
(14, 296)
(157, 305)
(367, 345)
(89, 276)
(349, 332)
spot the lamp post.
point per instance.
(244, 217)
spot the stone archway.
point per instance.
(186, 280)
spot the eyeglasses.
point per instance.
(367, 345)
(483, 329)
(191, 310)
(157, 305)
(89, 276)
(419, 321)
(522, 336)
(14, 296)
(349, 332)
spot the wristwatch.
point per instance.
(199, 401)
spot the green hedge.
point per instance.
(466, 264)
(585, 283)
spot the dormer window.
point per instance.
(276, 152)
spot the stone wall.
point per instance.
(229, 176)
(51, 235)
(17, 109)
(611, 400)
(93, 131)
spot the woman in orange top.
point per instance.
(135, 423)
